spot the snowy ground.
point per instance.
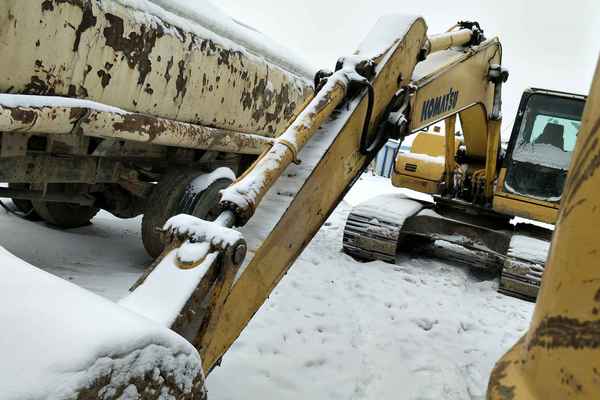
(334, 328)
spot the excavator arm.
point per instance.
(463, 82)
(280, 203)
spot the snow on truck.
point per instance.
(224, 145)
(162, 95)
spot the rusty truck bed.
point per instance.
(104, 51)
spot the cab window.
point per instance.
(541, 152)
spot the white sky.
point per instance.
(547, 43)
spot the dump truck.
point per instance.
(210, 277)
(124, 99)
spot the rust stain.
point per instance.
(44, 81)
(88, 69)
(88, 19)
(261, 100)
(139, 123)
(148, 89)
(75, 91)
(168, 72)
(207, 137)
(136, 46)
(224, 55)
(181, 82)
(496, 385)
(47, 5)
(563, 332)
(104, 78)
(37, 86)
(23, 115)
(76, 113)
(568, 379)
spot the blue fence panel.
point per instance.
(386, 157)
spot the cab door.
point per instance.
(539, 153)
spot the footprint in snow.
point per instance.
(466, 326)
(425, 323)
(315, 363)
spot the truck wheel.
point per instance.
(24, 206)
(64, 215)
(176, 194)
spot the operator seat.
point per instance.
(553, 134)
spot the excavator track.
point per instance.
(523, 267)
(388, 225)
(373, 229)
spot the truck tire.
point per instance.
(64, 215)
(24, 206)
(176, 194)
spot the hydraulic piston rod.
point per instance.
(470, 33)
(244, 195)
(446, 40)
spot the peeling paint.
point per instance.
(136, 47)
(23, 115)
(119, 61)
(181, 82)
(168, 71)
(564, 332)
(104, 78)
(37, 86)
(88, 20)
(496, 385)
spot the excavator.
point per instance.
(215, 269)
(477, 187)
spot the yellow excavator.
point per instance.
(211, 277)
(477, 187)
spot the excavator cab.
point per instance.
(539, 153)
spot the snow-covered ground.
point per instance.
(334, 328)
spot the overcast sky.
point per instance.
(544, 45)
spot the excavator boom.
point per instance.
(324, 142)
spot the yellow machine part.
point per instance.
(460, 85)
(423, 168)
(521, 206)
(559, 356)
